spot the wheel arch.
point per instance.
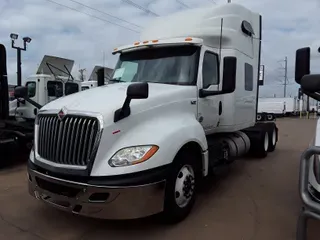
(195, 148)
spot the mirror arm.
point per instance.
(37, 105)
(124, 111)
(315, 96)
(205, 93)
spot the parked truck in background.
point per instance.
(184, 104)
(92, 82)
(52, 80)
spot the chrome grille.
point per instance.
(69, 141)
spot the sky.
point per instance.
(88, 30)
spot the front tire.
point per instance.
(181, 188)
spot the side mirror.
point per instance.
(229, 78)
(310, 83)
(138, 90)
(134, 91)
(302, 65)
(229, 74)
(21, 92)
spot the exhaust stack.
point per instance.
(100, 74)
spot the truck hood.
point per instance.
(107, 99)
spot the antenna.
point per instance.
(82, 77)
(220, 41)
(103, 61)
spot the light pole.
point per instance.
(26, 40)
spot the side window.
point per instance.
(210, 73)
(248, 77)
(71, 88)
(31, 89)
(54, 89)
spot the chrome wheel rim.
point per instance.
(184, 187)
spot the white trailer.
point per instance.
(86, 85)
(303, 104)
(290, 105)
(185, 104)
(275, 107)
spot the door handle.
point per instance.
(220, 108)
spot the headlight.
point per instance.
(132, 155)
(31, 155)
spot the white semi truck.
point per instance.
(309, 181)
(184, 103)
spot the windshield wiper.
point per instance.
(173, 83)
(116, 80)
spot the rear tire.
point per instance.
(181, 187)
(270, 117)
(259, 117)
(273, 139)
(263, 145)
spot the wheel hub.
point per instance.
(266, 141)
(188, 186)
(274, 136)
(184, 187)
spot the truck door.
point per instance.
(210, 107)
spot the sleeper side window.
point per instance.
(248, 77)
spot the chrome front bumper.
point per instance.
(311, 206)
(98, 201)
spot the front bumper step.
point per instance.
(104, 202)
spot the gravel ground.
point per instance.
(254, 200)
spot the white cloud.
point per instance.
(56, 30)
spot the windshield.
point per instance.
(169, 65)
